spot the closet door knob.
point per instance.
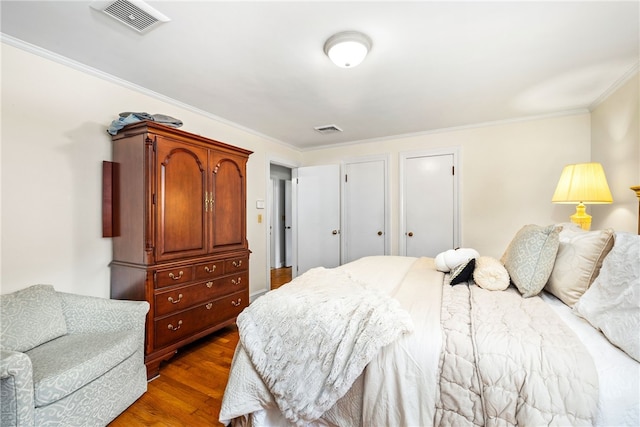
(379, 233)
(410, 234)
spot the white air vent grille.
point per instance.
(327, 129)
(134, 14)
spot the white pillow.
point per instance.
(578, 262)
(490, 274)
(448, 260)
(612, 303)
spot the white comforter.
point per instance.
(405, 398)
(398, 386)
(310, 340)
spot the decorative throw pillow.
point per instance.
(463, 272)
(578, 262)
(448, 260)
(530, 256)
(30, 317)
(490, 274)
(612, 303)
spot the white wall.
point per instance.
(615, 142)
(54, 121)
(508, 173)
(53, 137)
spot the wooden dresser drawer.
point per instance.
(173, 276)
(232, 283)
(180, 298)
(236, 264)
(209, 270)
(171, 329)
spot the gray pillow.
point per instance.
(530, 257)
(30, 317)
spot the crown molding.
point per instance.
(36, 50)
(631, 72)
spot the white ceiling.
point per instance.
(433, 65)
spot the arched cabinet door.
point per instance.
(228, 225)
(180, 202)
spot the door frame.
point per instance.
(385, 158)
(403, 156)
(268, 217)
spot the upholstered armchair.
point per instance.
(69, 360)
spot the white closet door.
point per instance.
(365, 209)
(317, 216)
(429, 204)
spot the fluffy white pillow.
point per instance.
(490, 274)
(612, 303)
(578, 262)
(530, 256)
(448, 260)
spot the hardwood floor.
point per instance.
(189, 390)
(280, 276)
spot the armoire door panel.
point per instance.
(180, 200)
(228, 208)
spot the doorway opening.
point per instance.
(280, 226)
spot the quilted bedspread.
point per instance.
(507, 360)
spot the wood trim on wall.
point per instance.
(110, 199)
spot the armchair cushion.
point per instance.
(30, 317)
(64, 365)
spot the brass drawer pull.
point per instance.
(236, 304)
(178, 277)
(210, 270)
(209, 306)
(236, 282)
(237, 263)
(175, 328)
(172, 301)
(209, 284)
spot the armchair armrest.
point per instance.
(85, 314)
(16, 389)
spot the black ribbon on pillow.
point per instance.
(463, 272)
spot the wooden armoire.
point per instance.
(182, 242)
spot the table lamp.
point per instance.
(583, 183)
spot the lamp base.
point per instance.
(581, 217)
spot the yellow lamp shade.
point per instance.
(583, 183)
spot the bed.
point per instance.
(394, 341)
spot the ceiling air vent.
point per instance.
(135, 14)
(325, 130)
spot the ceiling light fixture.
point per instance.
(347, 49)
